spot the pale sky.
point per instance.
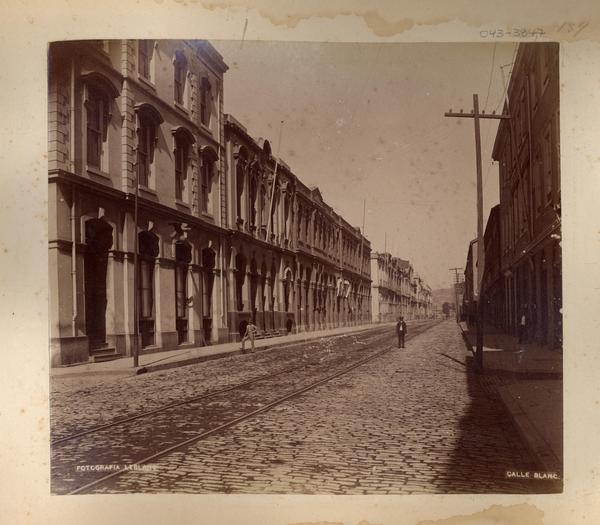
(366, 121)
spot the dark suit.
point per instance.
(401, 331)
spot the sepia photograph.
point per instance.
(305, 267)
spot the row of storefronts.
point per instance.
(169, 225)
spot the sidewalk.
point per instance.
(528, 380)
(187, 356)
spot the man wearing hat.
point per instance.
(401, 331)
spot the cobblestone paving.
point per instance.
(128, 442)
(412, 421)
(85, 402)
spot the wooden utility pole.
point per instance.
(476, 115)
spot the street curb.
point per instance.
(512, 373)
(310, 336)
(184, 362)
(536, 444)
(466, 339)
(218, 355)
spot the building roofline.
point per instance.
(307, 192)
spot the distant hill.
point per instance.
(443, 295)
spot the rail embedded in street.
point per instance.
(174, 426)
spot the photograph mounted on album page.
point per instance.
(295, 252)
(296, 284)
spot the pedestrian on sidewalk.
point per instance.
(401, 331)
(522, 327)
(249, 335)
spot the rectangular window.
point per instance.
(205, 184)
(179, 81)
(144, 53)
(144, 155)
(94, 129)
(204, 111)
(180, 170)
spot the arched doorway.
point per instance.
(240, 278)
(183, 257)
(272, 293)
(98, 240)
(263, 296)
(287, 289)
(253, 289)
(208, 276)
(148, 249)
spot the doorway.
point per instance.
(98, 240)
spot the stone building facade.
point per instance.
(142, 160)
(528, 151)
(397, 290)
(295, 264)
(492, 283)
(470, 296)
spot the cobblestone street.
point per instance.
(80, 403)
(411, 421)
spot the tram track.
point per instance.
(180, 424)
(207, 394)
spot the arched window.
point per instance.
(99, 93)
(145, 58)
(299, 224)
(96, 112)
(148, 124)
(208, 159)
(253, 203)
(287, 206)
(274, 206)
(264, 202)
(180, 67)
(183, 147)
(205, 91)
(240, 178)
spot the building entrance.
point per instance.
(98, 240)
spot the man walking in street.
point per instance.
(401, 331)
(250, 334)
